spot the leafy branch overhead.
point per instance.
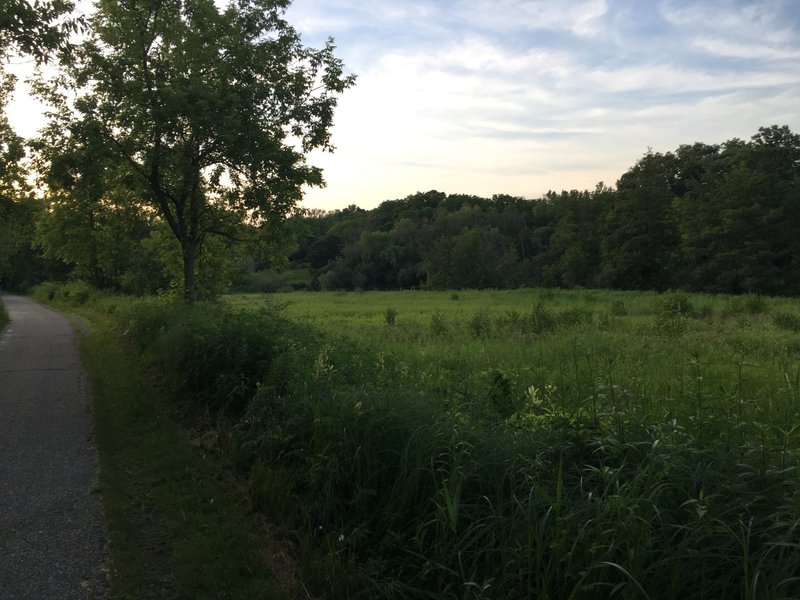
(211, 111)
(36, 28)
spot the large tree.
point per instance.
(211, 111)
(36, 29)
(640, 235)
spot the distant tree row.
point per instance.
(718, 218)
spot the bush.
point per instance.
(755, 304)
(390, 316)
(575, 317)
(71, 293)
(3, 316)
(672, 311)
(541, 320)
(618, 308)
(481, 324)
(674, 303)
(438, 324)
(787, 321)
(219, 355)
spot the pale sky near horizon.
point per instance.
(520, 97)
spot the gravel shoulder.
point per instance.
(52, 536)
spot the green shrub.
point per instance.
(220, 355)
(787, 321)
(704, 312)
(672, 311)
(755, 304)
(3, 315)
(575, 317)
(438, 324)
(480, 325)
(501, 393)
(390, 316)
(71, 293)
(674, 303)
(541, 320)
(618, 308)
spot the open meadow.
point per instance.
(667, 353)
(554, 444)
(501, 444)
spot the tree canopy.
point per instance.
(205, 114)
(36, 28)
(719, 218)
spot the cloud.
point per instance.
(522, 96)
(762, 29)
(582, 18)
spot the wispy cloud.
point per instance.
(523, 96)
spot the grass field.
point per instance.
(602, 444)
(667, 351)
(521, 444)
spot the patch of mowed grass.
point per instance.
(176, 529)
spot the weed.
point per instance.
(390, 316)
(618, 308)
(438, 324)
(480, 325)
(541, 320)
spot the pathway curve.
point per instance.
(52, 537)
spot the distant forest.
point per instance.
(714, 218)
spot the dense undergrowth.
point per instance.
(3, 315)
(593, 486)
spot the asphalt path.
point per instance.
(52, 537)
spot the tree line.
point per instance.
(716, 218)
(174, 158)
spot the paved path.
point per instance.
(52, 539)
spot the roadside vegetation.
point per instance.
(525, 444)
(3, 315)
(178, 527)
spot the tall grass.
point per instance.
(629, 446)
(526, 444)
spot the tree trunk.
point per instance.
(189, 249)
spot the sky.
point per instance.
(524, 96)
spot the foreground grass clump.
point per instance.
(177, 530)
(526, 444)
